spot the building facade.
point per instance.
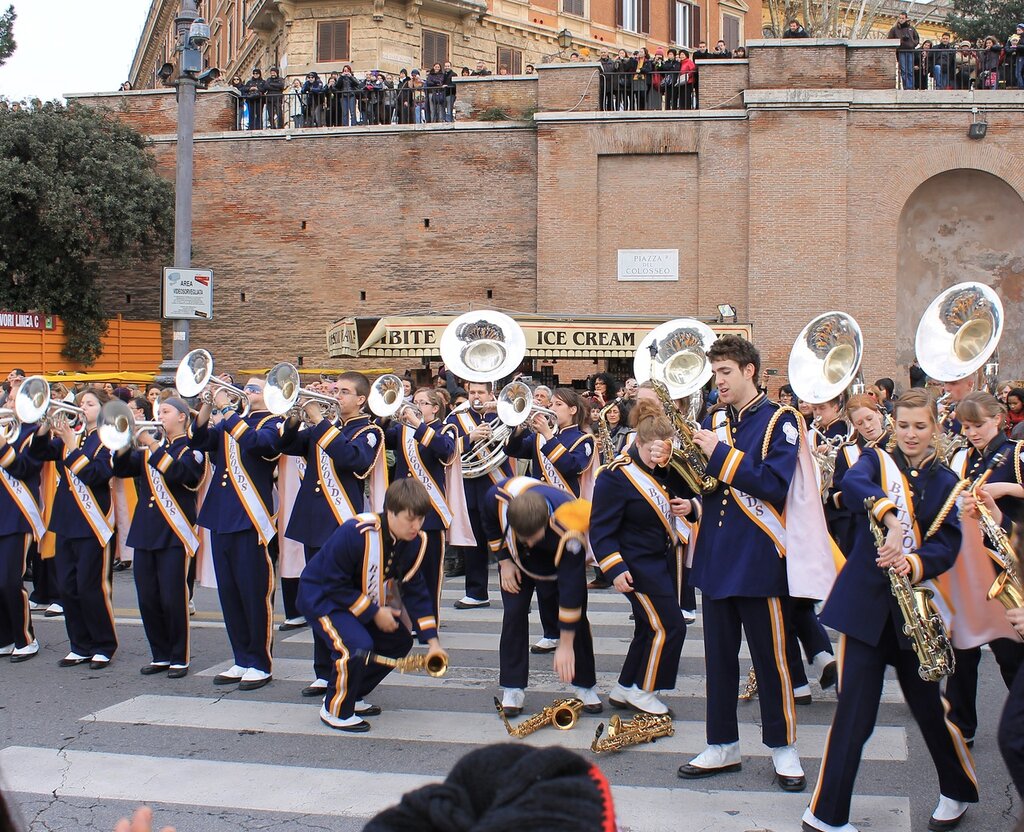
(300, 36)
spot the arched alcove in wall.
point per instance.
(959, 225)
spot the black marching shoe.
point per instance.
(153, 668)
(177, 671)
(71, 659)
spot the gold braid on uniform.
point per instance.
(380, 444)
(947, 507)
(783, 408)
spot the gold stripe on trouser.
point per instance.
(779, 648)
(108, 588)
(341, 672)
(269, 605)
(962, 751)
(657, 643)
(440, 581)
(188, 618)
(840, 660)
(26, 622)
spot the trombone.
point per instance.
(118, 428)
(284, 393)
(195, 377)
(34, 403)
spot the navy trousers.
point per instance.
(962, 686)
(433, 567)
(245, 585)
(321, 652)
(15, 619)
(1011, 732)
(478, 559)
(547, 605)
(514, 657)
(762, 621)
(347, 640)
(652, 661)
(161, 579)
(861, 673)
(45, 590)
(83, 573)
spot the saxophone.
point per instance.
(562, 713)
(641, 728)
(605, 443)
(435, 665)
(1007, 588)
(921, 621)
(688, 460)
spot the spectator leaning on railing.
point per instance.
(988, 63)
(906, 34)
(795, 30)
(275, 88)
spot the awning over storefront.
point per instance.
(419, 336)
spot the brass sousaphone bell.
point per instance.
(826, 357)
(483, 346)
(959, 332)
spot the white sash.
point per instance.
(102, 524)
(759, 512)
(411, 448)
(898, 490)
(247, 493)
(170, 509)
(374, 580)
(337, 497)
(959, 462)
(548, 469)
(22, 496)
(652, 491)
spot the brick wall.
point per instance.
(722, 84)
(563, 87)
(871, 65)
(515, 95)
(155, 112)
(814, 64)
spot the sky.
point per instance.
(71, 46)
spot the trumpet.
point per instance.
(640, 729)
(34, 402)
(10, 426)
(118, 428)
(562, 713)
(283, 393)
(435, 664)
(194, 377)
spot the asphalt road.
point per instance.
(80, 748)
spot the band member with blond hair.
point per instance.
(163, 534)
(83, 520)
(914, 498)
(634, 536)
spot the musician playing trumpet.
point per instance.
(915, 499)
(345, 592)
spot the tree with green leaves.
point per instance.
(7, 44)
(974, 19)
(77, 189)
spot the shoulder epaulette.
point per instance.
(367, 522)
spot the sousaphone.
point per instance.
(959, 332)
(826, 357)
(675, 353)
(483, 346)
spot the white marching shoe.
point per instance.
(948, 814)
(23, 654)
(590, 699)
(827, 669)
(811, 824)
(512, 700)
(788, 770)
(715, 759)
(637, 700)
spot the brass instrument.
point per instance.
(34, 403)
(673, 357)
(562, 713)
(750, 687)
(516, 406)
(194, 377)
(922, 623)
(10, 426)
(387, 396)
(640, 729)
(118, 428)
(484, 346)
(827, 459)
(1007, 588)
(283, 393)
(605, 444)
(436, 665)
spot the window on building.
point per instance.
(731, 31)
(231, 40)
(512, 58)
(684, 23)
(634, 15)
(576, 7)
(434, 49)
(332, 40)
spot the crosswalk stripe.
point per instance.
(361, 794)
(603, 645)
(689, 686)
(887, 742)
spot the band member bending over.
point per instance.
(538, 533)
(915, 498)
(633, 533)
(83, 520)
(163, 534)
(345, 593)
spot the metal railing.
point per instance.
(349, 108)
(960, 68)
(636, 91)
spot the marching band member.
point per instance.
(83, 520)
(473, 425)
(633, 534)
(1011, 724)
(956, 391)
(559, 454)
(422, 450)
(344, 592)
(916, 501)
(338, 461)
(977, 621)
(762, 539)
(243, 453)
(21, 525)
(538, 533)
(163, 534)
